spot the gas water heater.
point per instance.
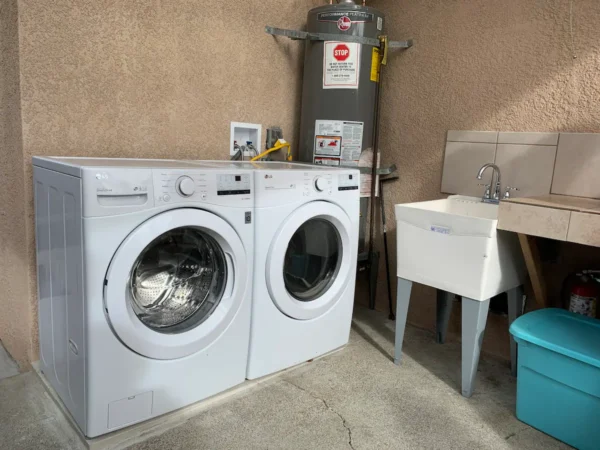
(340, 83)
(345, 48)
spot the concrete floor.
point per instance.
(353, 399)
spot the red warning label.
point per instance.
(328, 145)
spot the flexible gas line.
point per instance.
(281, 143)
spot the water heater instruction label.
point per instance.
(341, 65)
(338, 142)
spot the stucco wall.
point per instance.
(163, 78)
(15, 314)
(151, 79)
(481, 65)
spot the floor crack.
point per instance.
(322, 400)
(512, 435)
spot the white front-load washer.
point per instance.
(144, 284)
(306, 249)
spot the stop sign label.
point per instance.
(341, 52)
(341, 65)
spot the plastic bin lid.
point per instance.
(561, 331)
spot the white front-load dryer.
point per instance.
(306, 249)
(144, 283)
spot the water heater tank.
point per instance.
(340, 80)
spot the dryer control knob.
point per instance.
(185, 186)
(320, 184)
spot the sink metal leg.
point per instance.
(373, 275)
(444, 309)
(474, 318)
(515, 310)
(402, 301)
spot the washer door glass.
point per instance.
(312, 260)
(178, 280)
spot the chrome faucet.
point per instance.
(492, 191)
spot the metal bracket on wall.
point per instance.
(305, 35)
(382, 171)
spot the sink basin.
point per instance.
(454, 245)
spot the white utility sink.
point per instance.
(453, 245)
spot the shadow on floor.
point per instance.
(8, 366)
(443, 360)
(494, 384)
(362, 333)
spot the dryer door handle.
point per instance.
(230, 277)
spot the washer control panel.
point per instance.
(185, 186)
(216, 187)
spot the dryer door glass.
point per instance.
(312, 260)
(178, 280)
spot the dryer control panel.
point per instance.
(302, 183)
(348, 182)
(234, 184)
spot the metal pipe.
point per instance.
(375, 167)
(391, 316)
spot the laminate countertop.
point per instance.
(559, 217)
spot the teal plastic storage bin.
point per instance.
(558, 385)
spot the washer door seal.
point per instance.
(188, 336)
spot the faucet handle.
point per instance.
(488, 193)
(507, 192)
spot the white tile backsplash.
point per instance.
(577, 171)
(535, 163)
(528, 138)
(526, 167)
(461, 164)
(489, 137)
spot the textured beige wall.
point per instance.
(163, 78)
(481, 65)
(15, 314)
(151, 79)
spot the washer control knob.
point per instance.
(320, 184)
(185, 186)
